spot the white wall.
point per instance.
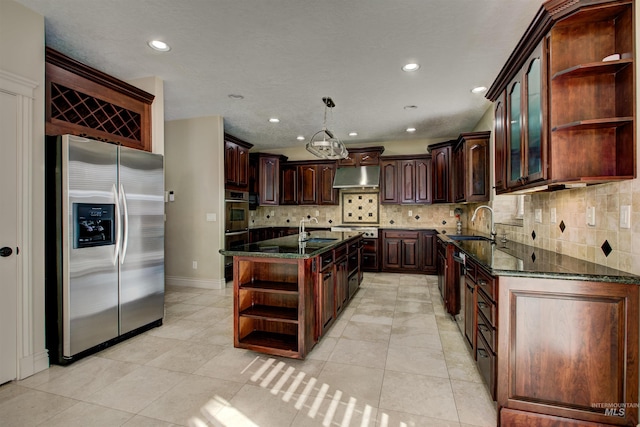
(194, 171)
(22, 54)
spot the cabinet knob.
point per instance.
(482, 353)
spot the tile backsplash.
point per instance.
(557, 221)
(355, 209)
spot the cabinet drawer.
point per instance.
(326, 260)
(340, 252)
(401, 234)
(486, 283)
(486, 362)
(487, 331)
(486, 307)
(470, 269)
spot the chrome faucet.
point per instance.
(493, 227)
(302, 235)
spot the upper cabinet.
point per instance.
(366, 156)
(86, 102)
(236, 163)
(405, 180)
(471, 166)
(442, 169)
(268, 177)
(564, 102)
(308, 183)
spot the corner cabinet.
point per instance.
(268, 177)
(442, 169)
(565, 100)
(471, 166)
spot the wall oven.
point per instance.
(236, 211)
(236, 228)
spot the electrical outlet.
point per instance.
(410, 213)
(272, 213)
(195, 265)
(538, 216)
(591, 215)
(317, 213)
(451, 213)
(552, 213)
(625, 216)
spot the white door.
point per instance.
(8, 237)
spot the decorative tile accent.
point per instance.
(360, 208)
(330, 221)
(417, 217)
(562, 226)
(533, 234)
(444, 222)
(392, 222)
(533, 257)
(606, 248)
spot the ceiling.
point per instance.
(284, 56)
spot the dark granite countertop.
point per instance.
(517, 259)
(289, 247)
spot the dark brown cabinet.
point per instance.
(308, 183)
(471, 167)
(268, 177)
(83, 101)
(406, 180)
(326, 280)
(370, 258)
(470, 314)
(442, 168)
(289, 184)
(236, 163)
(564, 115)
(364, 156)
(428, 251)
(400, 250)
(389, 182)
(564, 347)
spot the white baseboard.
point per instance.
(33, 364)
(195, 283)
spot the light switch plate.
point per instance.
(591, 215)
(552, 213)
(211, 217)
(538, 216)
(625, 216)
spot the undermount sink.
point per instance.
(320, 239)
(460, 237)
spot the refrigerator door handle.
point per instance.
(118, 225)
(126, 224)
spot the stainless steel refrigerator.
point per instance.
(104, 236)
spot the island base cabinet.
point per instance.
(274, 310)
(567, 351)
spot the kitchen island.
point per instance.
(287, 293)
(555, 338)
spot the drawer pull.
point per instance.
(483, 328)
(482, 304)
(482, 353)
(482, 282)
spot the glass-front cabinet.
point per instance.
(526, 136)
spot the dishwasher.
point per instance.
(459, 272)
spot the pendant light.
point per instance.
(329, 147)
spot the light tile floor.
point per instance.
(393, 358)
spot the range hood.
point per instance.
(358, 177)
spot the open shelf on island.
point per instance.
(271, 340)
(280, 314)
(269, 286)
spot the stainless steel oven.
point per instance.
(236, 216)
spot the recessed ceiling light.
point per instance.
(410, 67)
(235, 96)
(479, 89)
(274, 120)
(353, 133)
(160, 46)
(411, 129)
(410, 107)
(300, 138)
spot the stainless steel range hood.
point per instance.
(358, 177)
